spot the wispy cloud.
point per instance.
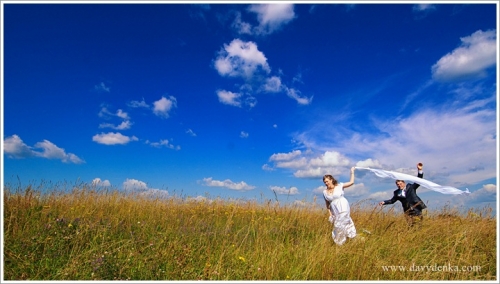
(164, 143)
(138, 104)
(191, 132)
(101, 87)
(106, 114)
(244, 134)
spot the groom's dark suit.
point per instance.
(412, 204)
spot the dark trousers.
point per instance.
(413, 216)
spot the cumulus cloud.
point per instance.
(241, 59)
(456, 144)
(369, 163)
(141, 188)
(487, 193)
(229, 98)
(273, 85)
(470, 60)
(244, 134)
(14, 147)
(240, 186)
(112, 138)
(163, 106)
(308, 166)
(99, 182)
(283, 190)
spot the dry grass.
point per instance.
(106, 235)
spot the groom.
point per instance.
(407, 195)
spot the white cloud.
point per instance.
(240, 26)
(283, 190)
(456, 145)
(273, 85)
(266, 167)
(122, 126)
(244, 60)
(329, 162)
(112, 138)
(241, 186)
(423, 7)
(105, 113)
(163, 143)
(369, 163)
(14, 147)
(102, 88)
(272, 17)
(487, 193)
(244, 134)
(312, 172)
(241, 59)
(295, 94)
(285, 156)
(329, 159)
(140, 187)
(229, 98)
(163, 106)
(191, 132)
(51, 151)
(138, 104)
(99, 182)
(471, 59)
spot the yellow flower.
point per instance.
(242, 258)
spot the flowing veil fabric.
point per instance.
(425, 183)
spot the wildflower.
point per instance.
(242, 258)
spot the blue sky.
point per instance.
(242, 101)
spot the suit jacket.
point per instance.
(411, 197)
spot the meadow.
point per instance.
(90, 234)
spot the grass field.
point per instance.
(90, 234)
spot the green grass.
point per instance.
(89, 234)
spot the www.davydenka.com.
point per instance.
(433, 268)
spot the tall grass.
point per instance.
(90, 234)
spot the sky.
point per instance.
(252, 101)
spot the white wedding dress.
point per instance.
(343, 226)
